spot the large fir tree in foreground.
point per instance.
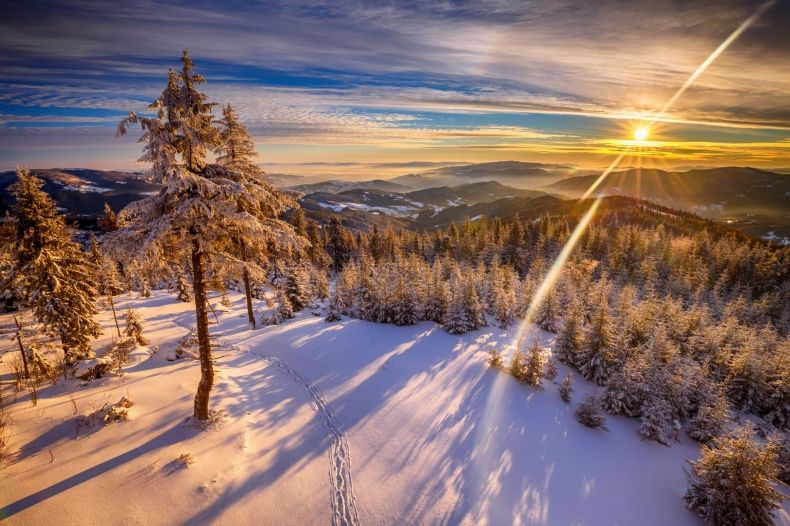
(51, 273)
(732, 483)
(202, 206)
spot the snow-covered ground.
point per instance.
(330, 423)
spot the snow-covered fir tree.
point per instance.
(437, 298)
(236, 152)
(733, 481)
(134, 327)
(518, 365)
(404, 305)
(566, 388)
(588, 412)
(547, 317)
(599, 358)
(656, 421)
(465, 312)
(50, 272)
(550, 371)
(108, 280)
(626, 389)
(711, 418)
(182, 288)
(495, 358)
(533, 374)
(335, 308)
(201, 206)
(297, 287)
(569, 340)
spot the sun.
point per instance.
(641, 133)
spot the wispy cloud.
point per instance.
(379, 75)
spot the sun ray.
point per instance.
(556, 268)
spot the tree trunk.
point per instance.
(247, 286)
(201, 316)
(21, 347)
(112, 306)
(248, 294)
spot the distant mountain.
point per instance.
(513, 173)
(336, 186)
(754, 201)
(81, 193)
(412, 204)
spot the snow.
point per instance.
(413, 416)
(87, 189)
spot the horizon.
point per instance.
(348, 83)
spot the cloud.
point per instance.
(375, 74)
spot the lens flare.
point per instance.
(640, 135)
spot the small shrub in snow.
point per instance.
(335, 309)
(550, 372)
(134, 327)
(588, 412)
(94, 368)
(566, 388)
(495, 359)
(184, 460)
(108, 413)
(38, 364)
(145, 291)
(732, 483)
(118, 411)
(183, 289)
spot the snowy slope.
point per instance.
(412, 416)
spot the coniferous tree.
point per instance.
(437, 299)
(182, 288)
(732, 482)
(566, 388)
(533, 375)
(108, 223)
(297, 288)
(547, 316)
(51, 272)
(598, 359)
(134, 327)
(108, 280)
(236, 151)
(656, 419)
(711, 418)
(588, 412)
(201, 206)
(518, 365)
(569, 340)
(495, 358)
(550, 371)
(404, 305)
(335, 306)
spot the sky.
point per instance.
(350, 84)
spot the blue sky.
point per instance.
(378, 82)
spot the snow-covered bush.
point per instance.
(182, 289)
(566, 388)
(134, 327)
(495, 358)
(588, 412)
